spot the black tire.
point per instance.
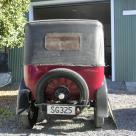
(58, 73)
(98, 121)
(101, 106)
(29, 120)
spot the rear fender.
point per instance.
(102, 101)
(22, 98)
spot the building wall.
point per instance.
(125, 41)
(15, 64)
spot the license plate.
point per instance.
(60, 110)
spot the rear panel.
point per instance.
(93, 76)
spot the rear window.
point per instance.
(62, 41)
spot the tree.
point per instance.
(12, 21)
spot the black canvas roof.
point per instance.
(88, 34)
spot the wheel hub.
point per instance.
(62, 93)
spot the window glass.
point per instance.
(62, 41)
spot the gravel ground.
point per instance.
(123, 105)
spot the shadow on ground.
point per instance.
(54, 126)
(126, 118)
(58, 127)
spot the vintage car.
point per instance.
(63, 70)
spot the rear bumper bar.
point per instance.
(76, 105)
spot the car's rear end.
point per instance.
(63, 69)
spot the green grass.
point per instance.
(5, 113)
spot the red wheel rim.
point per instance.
(57, 82)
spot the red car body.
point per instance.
(93, 76)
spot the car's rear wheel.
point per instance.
(61, 79)
(101, 106)
(29, 119)
(98, 121)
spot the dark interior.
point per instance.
(93, 10)
(98, 11)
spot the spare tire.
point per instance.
(66, 73)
